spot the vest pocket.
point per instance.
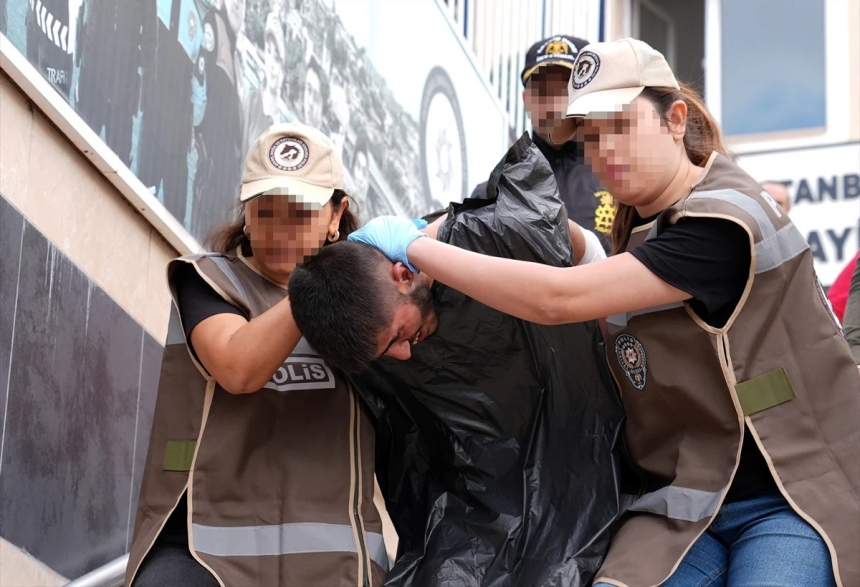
(178, 455)
(765, 391)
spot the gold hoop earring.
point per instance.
(334, 237)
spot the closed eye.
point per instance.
(393, 340)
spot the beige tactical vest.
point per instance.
(780, 365)
(280, 481)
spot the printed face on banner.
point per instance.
(181, 100)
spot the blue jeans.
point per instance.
(759, 542)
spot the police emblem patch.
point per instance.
(586, 67)
(557, 48)
(631, 357)
(289, 153)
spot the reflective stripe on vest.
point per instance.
(679, 503)
(299, 538)
(776, 247)
(784, 246)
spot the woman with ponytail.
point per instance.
(743, 411)
(261, 458)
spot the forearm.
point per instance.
(529, 291)
(244, 359)
(543, 294)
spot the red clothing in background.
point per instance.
(838, 292)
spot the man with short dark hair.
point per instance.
(498, 454)
(545, 76)
(366, 298)
(374, 307)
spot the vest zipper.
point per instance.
(362, 548)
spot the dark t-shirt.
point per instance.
(709, 258)
(197, 301)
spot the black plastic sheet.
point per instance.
(498, 442)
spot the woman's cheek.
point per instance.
(594, 157)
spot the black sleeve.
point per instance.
(197, 301)
(708, 258)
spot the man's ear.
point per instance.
(403, 278)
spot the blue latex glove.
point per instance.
(391, 235)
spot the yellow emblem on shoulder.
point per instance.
(605, 213)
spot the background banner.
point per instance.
(179, 90)
(824, 186)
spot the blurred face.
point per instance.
(414, 316)
(634, 153)
(284, 234)
(313, 99)
(236, 14)
(274, 66)
(359, 173)
(545, 97)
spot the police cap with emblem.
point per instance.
(293, 160)
(607, 77)
(556, 50)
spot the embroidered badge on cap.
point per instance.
(587, 66)
(557, 48)
(631, 356)
(289, 153)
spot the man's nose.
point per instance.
(401, 350)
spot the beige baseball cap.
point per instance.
(292, 160)
(606, 76)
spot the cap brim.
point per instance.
(300, 192)
(562, 62)
(605, 101)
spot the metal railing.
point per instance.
(110, 575)
(499, 32)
